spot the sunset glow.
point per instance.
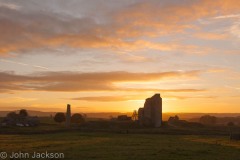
(108, 56)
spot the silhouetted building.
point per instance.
(151, 113)
(140, 114)
(173, 119)
(124, 118)
(68, 115)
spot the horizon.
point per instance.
(109, 57)
(120, 112)
(109, 115)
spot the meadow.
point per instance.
(114, 146)
(106, 140)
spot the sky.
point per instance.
(110, 55)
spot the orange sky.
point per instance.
(104, 56)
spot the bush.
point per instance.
(12, 115)
(208, 120)
(23, 113)
(77, 118)
(59, 117)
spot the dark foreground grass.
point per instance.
(110, 146)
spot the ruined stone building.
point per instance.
(151, 113)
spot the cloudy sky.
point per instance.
(109, 55)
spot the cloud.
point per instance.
(173, 17)
(235, 29)
(10, 6)
(25, 64)
(227, 16)
(211, 36)
(96, 81)
(190, 97)
(22, 31)
(106, 98)
(218, 70)
(133, 97)
(16, 100)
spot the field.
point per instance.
(105, 140)
(113, 146)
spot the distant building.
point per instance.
(173, 119)
(124, 118)
(151, 113)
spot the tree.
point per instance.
(23, 113)
(12, 118)
(59, 117)
(77, 118)
(208, 120)
(12, 115)
(134, 115)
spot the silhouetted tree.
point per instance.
(77, 118)
(134, 115)
(12, 115)
(59, 117)
(21, 119)
(11, 118)
(23, 113)
(208, 120)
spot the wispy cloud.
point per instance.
(227, 16)
(135, 97)
(10, 5)
(235, 29)
(211, 36)
(98, 81)
(17, 100)
(24, 64)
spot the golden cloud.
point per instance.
(211, 36)
(97, 81)
(21, 32)
(133, 97)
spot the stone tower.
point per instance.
(157, 110)
(151, 113)
(68, 115)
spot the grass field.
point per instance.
(103, 140)
(111, 146)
